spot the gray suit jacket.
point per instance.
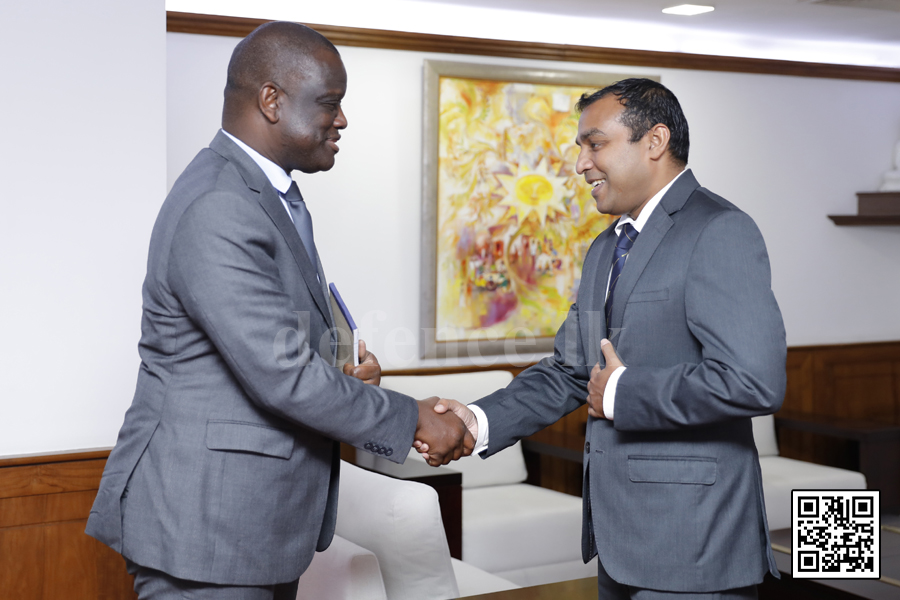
(226, 467)
(672, 486)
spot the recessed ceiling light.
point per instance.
(688, 10)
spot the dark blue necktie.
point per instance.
(302, 221)
(623, 246)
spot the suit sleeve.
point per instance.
(223, 271)
(542, 394)
(732, 313)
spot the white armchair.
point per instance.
(390, 545)
(523, 533)
(781, 475)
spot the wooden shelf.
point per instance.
(865, 219)
(874, 208)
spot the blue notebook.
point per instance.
(348, 333)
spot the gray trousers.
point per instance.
(607, 588)
(151, 584)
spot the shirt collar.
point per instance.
(280, 180)
(647, 210)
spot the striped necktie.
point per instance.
(623, 246)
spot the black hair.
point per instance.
(273, 52)
(647, 103)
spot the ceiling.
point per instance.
(851, 32)
(825, 20)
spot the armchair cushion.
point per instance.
(472, 580)
(343, 571)
(520, 526)
(781, 475)
(764, 435)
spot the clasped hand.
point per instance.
(435, 446)
(368, 370)
(599, 377)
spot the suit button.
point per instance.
(368, 446)
(389, 452)
(587, 447)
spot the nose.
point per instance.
(340, 121)
(583, 162)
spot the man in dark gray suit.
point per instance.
(673, 499)
(224, 479)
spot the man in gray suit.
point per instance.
(673, 499)
(224, 479)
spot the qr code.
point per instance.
(836, 534)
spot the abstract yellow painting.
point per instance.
(514, 219)
(506, 219)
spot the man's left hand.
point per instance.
(597, 385)
(368, 370)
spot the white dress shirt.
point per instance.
(609, 393)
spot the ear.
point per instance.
(658, 141)
(269, 101)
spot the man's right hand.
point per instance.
(460, 410)
(443, 433)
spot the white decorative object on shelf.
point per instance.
(892, 178)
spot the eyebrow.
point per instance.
(587, 134)
(590, 132)
(332, 94)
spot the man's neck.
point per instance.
(258, 143)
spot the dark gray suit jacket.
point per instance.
(673, 490)
(226, 467)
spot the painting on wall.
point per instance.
(506, 219)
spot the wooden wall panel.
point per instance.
(799, 393)
(852, 381)
(44, 552)
(21, 557)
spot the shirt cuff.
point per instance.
(609, 393)
(481, 443)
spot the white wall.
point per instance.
(788, 150)
(84, 168)
(83, 175)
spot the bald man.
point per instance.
(224, 478)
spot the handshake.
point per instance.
(446, 430)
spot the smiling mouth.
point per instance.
(597, 184)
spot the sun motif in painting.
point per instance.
(537, 191)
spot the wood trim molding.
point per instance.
(53, 457)
(178, 22)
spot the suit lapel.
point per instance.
(271, 203)
(268, 198)
(592, 294)
(648, 241)
(325, 290)
(646, 244)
